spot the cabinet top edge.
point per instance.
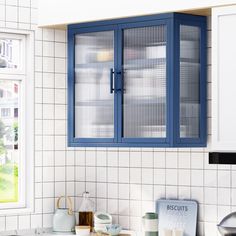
(163, 16)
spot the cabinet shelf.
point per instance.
(129, 64)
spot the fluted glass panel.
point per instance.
(94, 106)
(144, 75)
(189, 81)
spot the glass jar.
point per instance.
(86, 211)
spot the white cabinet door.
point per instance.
(224, 78)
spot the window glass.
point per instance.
(9, 53)
(9, 150)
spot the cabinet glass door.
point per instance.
(144, 82)
(94, 104)
(189, 81)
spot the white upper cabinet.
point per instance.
(224, 78)
(65, 12)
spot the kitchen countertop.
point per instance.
(49, 232)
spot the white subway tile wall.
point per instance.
(126, 182)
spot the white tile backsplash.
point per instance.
(60, 65)
(112, 190)
(24, 222)
(171, 177)
(38, 63)
(197, 193)
(184, 192)
(147, 192)
(184, 160)
(90, 173)
(48, 65)
(90, 158)
(197, 160)
(123, 159)
(197, 178)
(101, 158)
(47, 220)
(210, 178)
(60, 189)
(24, 3)
(2, 13)
(135, 159)
(184, 177)
(12, 2)
(112, 174)
(60, 50)
(171, 192)
(147, 176)
(48, 190)
(224, 197)
(135, 175)
(48, 142)
(112, 158)
(112, 206)
(160, 176)
(60, 36)
(101, 191)
(210, 195)
(123, 190)
(24, 15)
(123, 175)
(48, 158)
(147, 159)
(48, 49)
(159, 159)
(60, 96)
(136, 191)
(233, 196)
(48, 80)
(224, 178)
(101, 174)
(60, 80)
(48, 34)
(36, 221)
(11, 222)
(60, 173)
(11, 14)
(171, 159)
(12, 25)
(48, 174)
(126, 182)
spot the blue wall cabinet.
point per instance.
(138, 82)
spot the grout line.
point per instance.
(178, 190)
(106, 154)
(96, 183)
(42, 137)
(54, 158)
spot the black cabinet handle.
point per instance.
(111, 80)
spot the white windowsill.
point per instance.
(16, 211)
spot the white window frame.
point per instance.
(24, 74)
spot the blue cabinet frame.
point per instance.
(173, 139)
